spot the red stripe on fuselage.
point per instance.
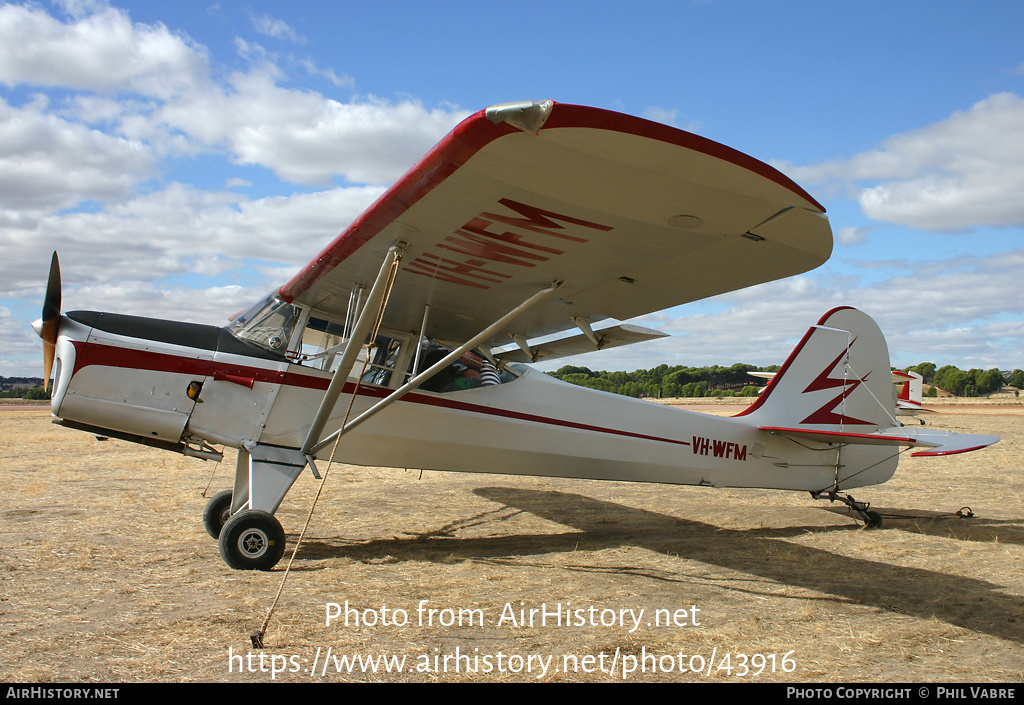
(88, 354)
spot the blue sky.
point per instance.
(185, 158)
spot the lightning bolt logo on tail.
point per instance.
(826, 413)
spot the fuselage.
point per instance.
(131, 376)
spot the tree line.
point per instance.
(970, 383)
(22, 388)
(666, 382)
(735, 381)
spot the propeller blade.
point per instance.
(51, 318)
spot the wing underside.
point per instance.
(631, 216)
(613, 337)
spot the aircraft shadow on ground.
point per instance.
(946, 525)
(973, 604)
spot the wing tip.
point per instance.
(978, 442)
(525, 115)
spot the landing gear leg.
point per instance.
(250, 538)
(872, 519)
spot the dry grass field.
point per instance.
(106, 573)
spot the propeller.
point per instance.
(48, 326)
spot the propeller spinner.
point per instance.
(48, 326)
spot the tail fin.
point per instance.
(837, 380)
(911, 386)
(836, 388)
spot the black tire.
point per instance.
(251, 540)
(872, 520)
(217, 512)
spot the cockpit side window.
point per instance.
(386, 353)
(469, 371)
(324, 342)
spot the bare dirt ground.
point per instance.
(106, 573)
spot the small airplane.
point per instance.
(769, 376)
(910, 394)
(406, 342)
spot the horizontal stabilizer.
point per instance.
(947, 443)
(932, 442)
(879, 438)
(616, 336)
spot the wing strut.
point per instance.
(584, 325)
(419, 340)
(431, 371)
(358, 334)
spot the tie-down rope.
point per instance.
(257, 637)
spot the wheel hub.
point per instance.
(253, 543)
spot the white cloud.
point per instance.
(48, 163)
(100, 50)
(983, 346)
(303, 136)
(154, 87)
(177, 231)
(662, 115)
(166, 255)
(21, 355)
(671, 117)
(212, 305)
(852, 236)
(276, 28)
(130, 94)
(957, 174)
(80, 166)
(965, 312)
(342, 81)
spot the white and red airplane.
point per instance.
(402, 344)
(909, 394)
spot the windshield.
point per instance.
(268, 324)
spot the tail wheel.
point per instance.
(217, 513)
(251, 540)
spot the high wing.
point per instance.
(631, 215)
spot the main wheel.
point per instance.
(251, 540)
(217, 512)
(872, 520)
